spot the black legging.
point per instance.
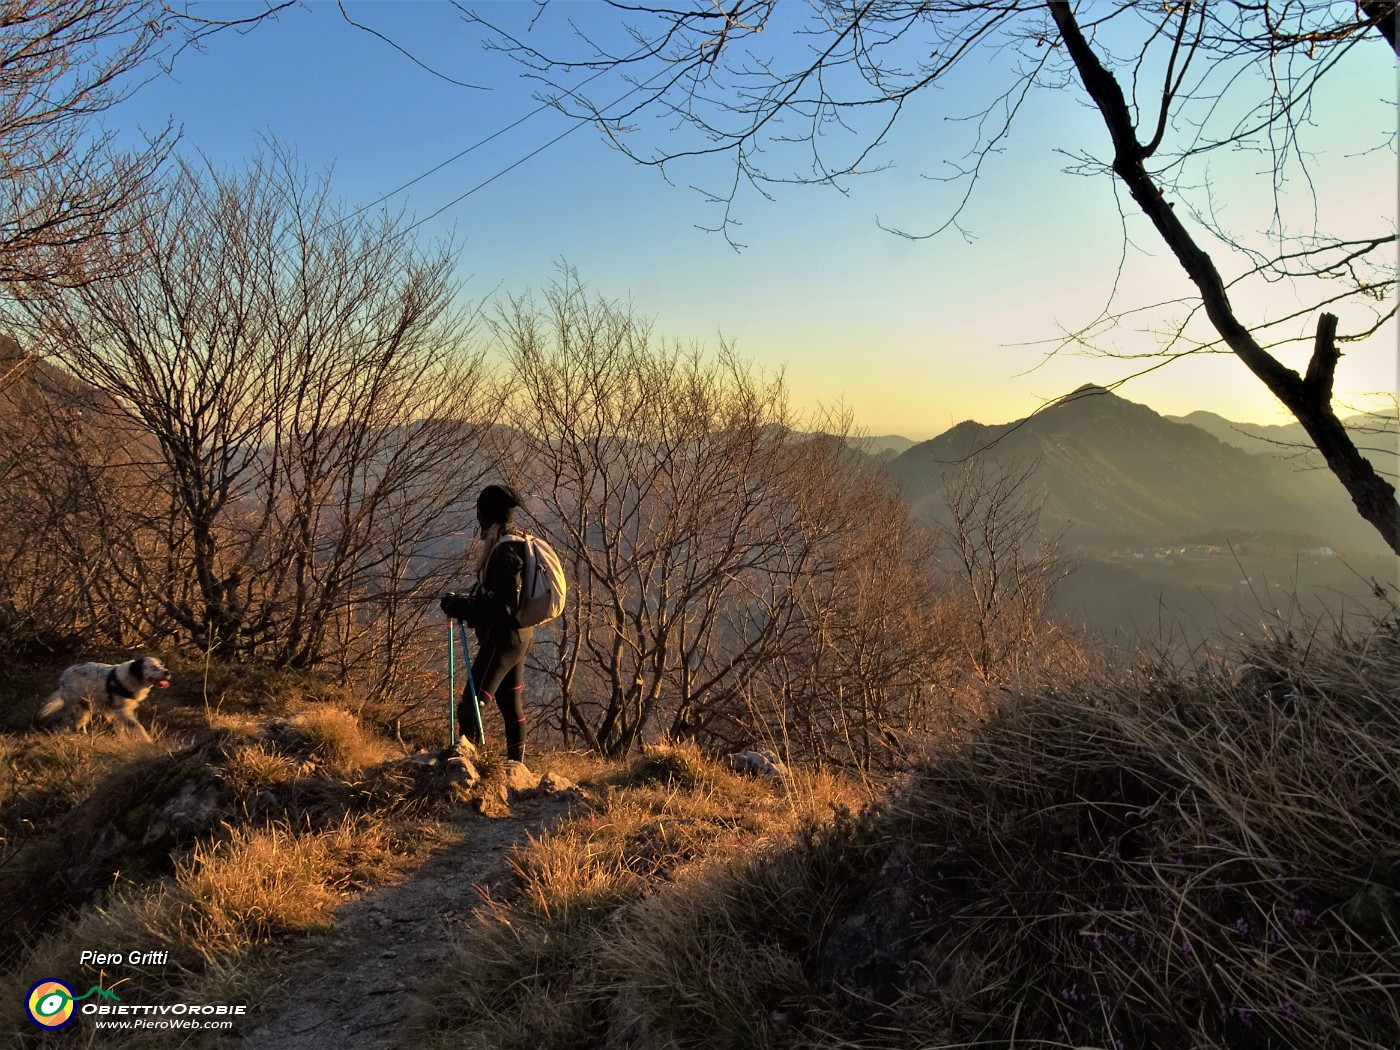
(499, 674)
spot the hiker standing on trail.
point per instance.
(490, 610)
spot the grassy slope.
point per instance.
(1160, 860)
(1157, 861)
(312, 809)
(305, 810)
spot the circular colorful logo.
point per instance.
(50, 1004)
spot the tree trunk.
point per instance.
(1308, 398)
(1382, 16)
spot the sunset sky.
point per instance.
(913, 336)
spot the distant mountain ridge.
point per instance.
(1376, 435)
(890, 442)
(1119, 475)
(883, 448)
(1252, 437)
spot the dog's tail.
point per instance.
(52, 706)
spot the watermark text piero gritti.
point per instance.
(124, 958)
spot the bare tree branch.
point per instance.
(302, 378)
(1172, 85)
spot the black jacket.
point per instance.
(493, 603)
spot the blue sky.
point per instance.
(913, 336)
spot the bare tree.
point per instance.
(69, 499)
(299, 372)
(811, 97)
(1003, 566)
(63, 63)
(733, 576)
(863, 673)
(661, 471)
(68, 187)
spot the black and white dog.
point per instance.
(110, 690)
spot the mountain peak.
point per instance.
(1126, 476)
(1088, 390)
(1093, 405)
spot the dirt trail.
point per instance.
(357, 993)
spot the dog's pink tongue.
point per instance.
(164, 683)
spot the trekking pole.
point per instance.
(471, 686)
(451, 687)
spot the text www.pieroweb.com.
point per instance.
(128, 1017)
(165, 1023)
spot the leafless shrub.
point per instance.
(297, 374)
(863, 672)
(71, 515)
(722, 564)
(1000, 565)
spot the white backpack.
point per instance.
(543, 589)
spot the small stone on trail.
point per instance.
(519, 777)
(756, 764)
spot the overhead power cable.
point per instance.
(490, 138)
(533, 153)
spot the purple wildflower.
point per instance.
(1241, 1014)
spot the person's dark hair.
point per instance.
(496, 505)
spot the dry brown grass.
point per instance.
(334, 738)
(554, 965)
(43, 775)
(257, 767)
(1150, 860)
(1162, 860)
(247, 689)
(308, 812)
(67, 807)
(255, 895)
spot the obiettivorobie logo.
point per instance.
(51, 1002)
